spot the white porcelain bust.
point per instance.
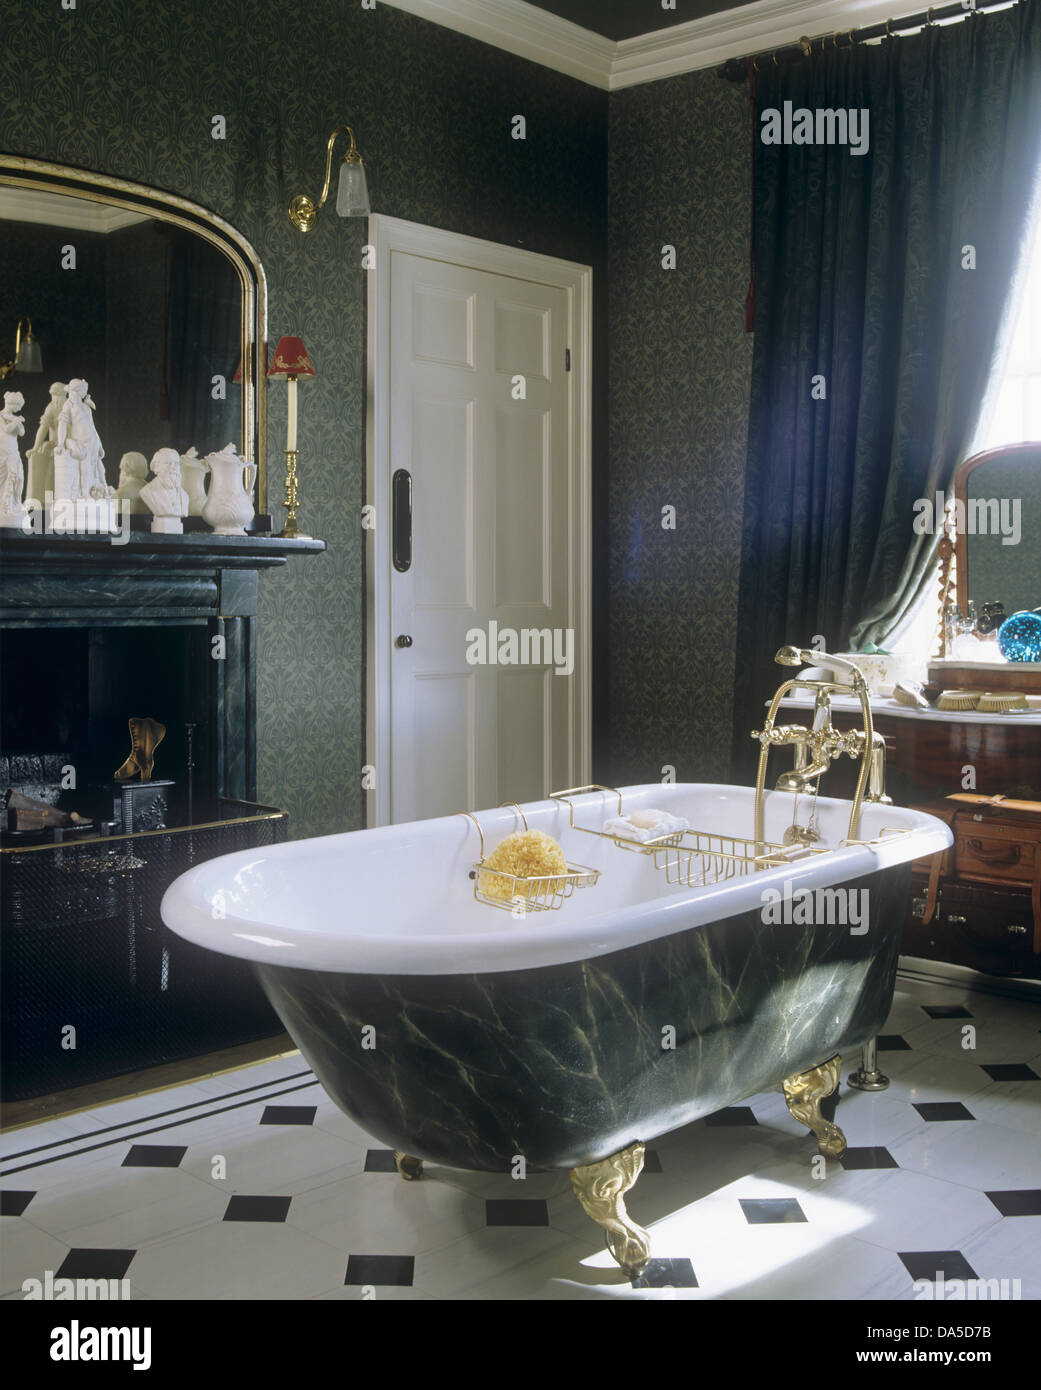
(165, 498)
(12, 474)
(133, 470)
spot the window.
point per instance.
(1012, 409)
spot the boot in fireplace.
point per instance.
(145, 737)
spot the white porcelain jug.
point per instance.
(193, 480)
(229, 505)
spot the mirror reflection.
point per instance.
(147, 314)
(1002, 565)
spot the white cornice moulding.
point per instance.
(524, 30)
(532, 33)
(55, 210)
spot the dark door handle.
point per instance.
(401, 490)
(403, 641)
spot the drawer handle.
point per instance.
(958, 921)
(1006, 854)
(1016, 929)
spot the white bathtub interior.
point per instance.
(400, 898)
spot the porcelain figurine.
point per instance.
(193, 479)
(78, 452)
(41, 455)
(133, 470)
(229, 505)
(12, 474)
(165, 498)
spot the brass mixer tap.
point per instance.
(819, 744)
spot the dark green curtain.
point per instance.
(859, 279)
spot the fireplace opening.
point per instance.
(68, 694)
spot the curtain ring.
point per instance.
(929, 21)
(776, 63)
(889, 29)
(852, 40)
(755, 64)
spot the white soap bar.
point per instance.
(645, 818)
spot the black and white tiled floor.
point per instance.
(252, 1185)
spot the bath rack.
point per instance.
(519, 894)
(693, 858)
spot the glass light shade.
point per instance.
(29, 358)
(352, 194)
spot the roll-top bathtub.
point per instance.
(469, 1036)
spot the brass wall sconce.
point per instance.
(27, 357)
(352, 194)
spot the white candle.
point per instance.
(291, 421)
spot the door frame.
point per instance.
(390, 234)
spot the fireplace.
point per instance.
(91, 635)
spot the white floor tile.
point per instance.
(239, 1260)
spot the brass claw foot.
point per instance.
(145, 737)
(803, 1094)
(410, 1168)
(601, 1188)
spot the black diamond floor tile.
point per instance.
(1011, 1071)
(289, 1114)
(933, 1110)
(155, 1155)
(892, 1042)
(1021, 1202)
(946, 1011)
(82, 1263)
(380, 1161)
(396, 1270)
(651, 1161)
(868, 1158)
(516, 1211)
(13, 1203)
(937, 1265)
(732, 1115)
(770, 1211)
(667, 1274)
(257, 1208)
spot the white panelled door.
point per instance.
(480, 620)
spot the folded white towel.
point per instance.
(645, 825)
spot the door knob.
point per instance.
(403, 641)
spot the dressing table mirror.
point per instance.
(997, 561)
(159, 304)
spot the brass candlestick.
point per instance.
(291, 531)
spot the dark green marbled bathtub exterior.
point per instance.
(564, 1064)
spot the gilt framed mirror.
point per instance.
(997, 549)
(158, 303)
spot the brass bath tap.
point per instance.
(820, 743)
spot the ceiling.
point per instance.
(625, 19)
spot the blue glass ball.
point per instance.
(1019, 637)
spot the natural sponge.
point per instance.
(524, 854)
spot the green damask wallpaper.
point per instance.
(680, 372)
(129, 87)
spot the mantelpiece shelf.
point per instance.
(192, 548)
